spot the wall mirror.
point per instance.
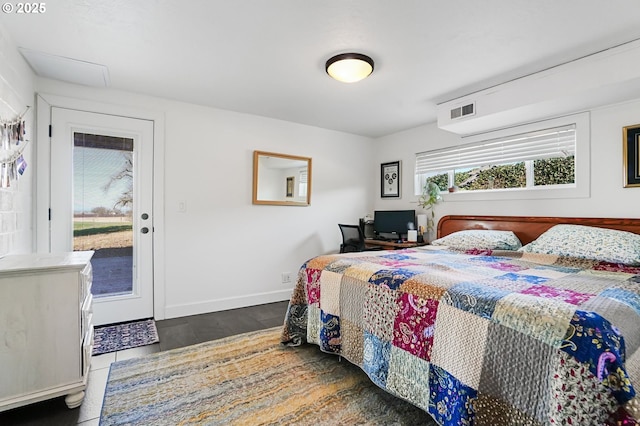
(281, 179)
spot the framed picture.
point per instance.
(290, 186)
(631, 154)
(390, 180)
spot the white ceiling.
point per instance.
(266, 57)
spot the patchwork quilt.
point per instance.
(480, 337)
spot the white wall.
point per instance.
(223, 251)
(16, 92)
(608, 197)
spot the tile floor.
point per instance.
(173, 333)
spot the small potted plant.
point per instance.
(429, 198)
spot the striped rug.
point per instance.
(249, 379)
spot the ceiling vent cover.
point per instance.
(66, 69)
(463, 111)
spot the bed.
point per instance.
(488, 335)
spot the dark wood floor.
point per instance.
(185, 331)
(173, 333)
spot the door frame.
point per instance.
(107, 308)
(42, 190)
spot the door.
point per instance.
(101, 200)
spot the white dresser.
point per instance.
(46, 335)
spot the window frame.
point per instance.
(581, 187)
(302, 183)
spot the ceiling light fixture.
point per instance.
(349, 67)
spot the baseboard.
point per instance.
(176, 311)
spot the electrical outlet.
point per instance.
(286, 277)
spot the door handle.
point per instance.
(144, 230)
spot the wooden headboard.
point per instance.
(528, 228)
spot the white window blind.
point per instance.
(548, 143)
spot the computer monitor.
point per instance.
(393, 224)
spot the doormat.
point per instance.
(127, 335)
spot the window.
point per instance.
(302, 183)
(539, 156)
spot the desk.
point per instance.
(390, 245)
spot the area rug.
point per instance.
(117, 337)
(249, 379)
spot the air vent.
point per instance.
(463, 111)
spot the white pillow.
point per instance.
(588, 242)
(480, 239)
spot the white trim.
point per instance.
(41, 179)
(45, 102)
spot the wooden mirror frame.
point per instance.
(256, 162)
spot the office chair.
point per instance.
(352, 238)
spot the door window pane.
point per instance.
(103, 209)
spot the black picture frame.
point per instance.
(631, 155)
(390, 179)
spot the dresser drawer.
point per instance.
(86, 316)
(86, 279)
(87, 350)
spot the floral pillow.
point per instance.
(480, 239)
(588, 242)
